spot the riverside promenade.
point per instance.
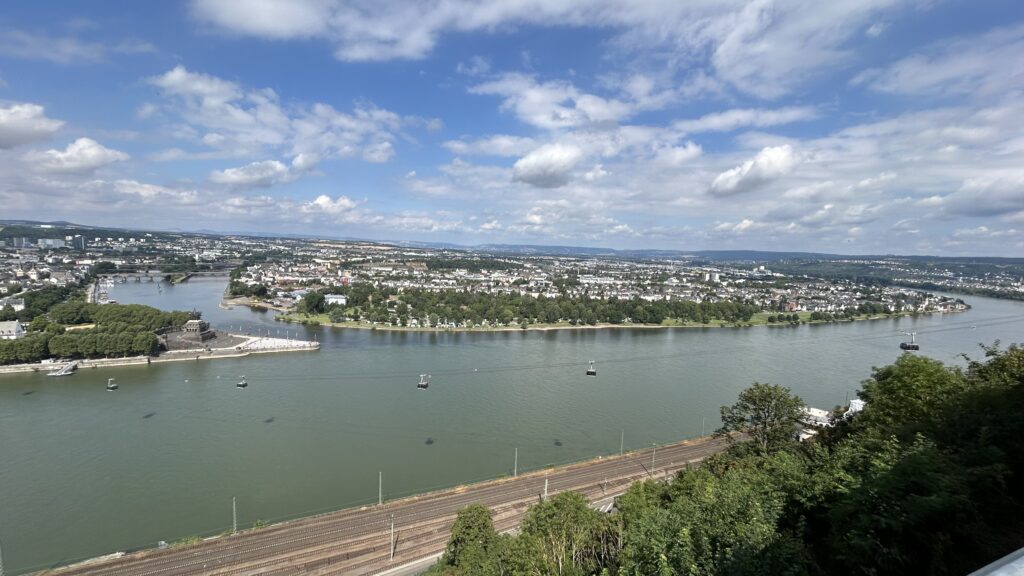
(241, 345)
(401, 536)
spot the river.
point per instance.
(85, 472)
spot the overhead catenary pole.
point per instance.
(702, 419)
(653, 453)
(515, 465)
(1, 559)
(545, 489)
(622, 441)
(380, 488)
(234, 515)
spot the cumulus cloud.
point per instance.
(769, 164)
(255, 175)
(326, 205)
(232, 120)
(264, 174)
(24, 124)
(552, 105)
(82, 155)
(549, 166)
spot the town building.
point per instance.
(11, 330)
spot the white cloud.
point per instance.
(760, 46)
(153, 192)
(265, 173)
(876, 29)
(145, 110)
(238, 122)
(64, 49)
(378, 152)
(475, 66)
(596, 173)
(677, 155)
(552, 105)
(268, 18)
(324, 204)
(770, 163)
(729, 120)
(987, 64)
(497, 145)
(24, 124)
(549, 166)
(82, 155)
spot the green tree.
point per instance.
(768, 413)
(473, 545)
(313, 303)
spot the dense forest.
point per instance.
(927, 479)
(119, 330)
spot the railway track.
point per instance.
(356, 541)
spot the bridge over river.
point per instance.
(401, 536)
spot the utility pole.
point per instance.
(515, 465)
(234, 516)
(622, 441)
(653, 453)
(380, 488)
(392, 538)
(545, 494)
(702, 419)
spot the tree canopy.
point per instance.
(927, 479)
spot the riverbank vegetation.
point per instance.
(117, 330)
(451, 308)
(927, 479)
(369, 307)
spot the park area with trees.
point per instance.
(927, 479)
(109, 331)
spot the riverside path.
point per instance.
(359, 541)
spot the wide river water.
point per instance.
(85, 472)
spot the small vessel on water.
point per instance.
(243, 383)
(591, 371)
(424, 382)
(111, 385)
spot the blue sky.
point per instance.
(854, 126)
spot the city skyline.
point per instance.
(857, 128)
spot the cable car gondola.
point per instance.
(591, 371)
(912, 345)
(242, 383)
(424, 382)
(111, 385)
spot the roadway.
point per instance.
(357, 541)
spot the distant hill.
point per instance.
(34, 229)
